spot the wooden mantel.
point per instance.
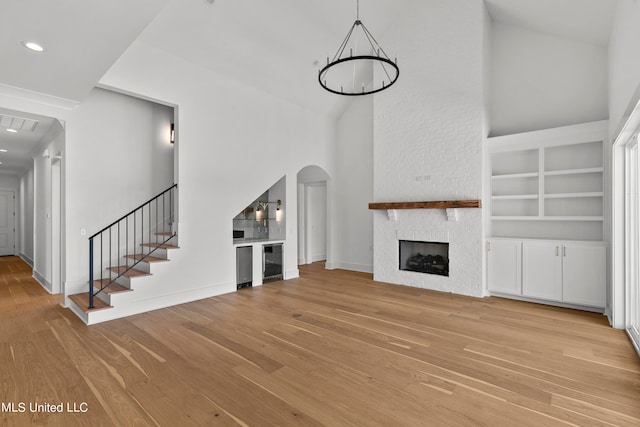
(441, 204)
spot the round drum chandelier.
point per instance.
(358, 61)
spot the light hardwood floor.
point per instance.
(332, 348)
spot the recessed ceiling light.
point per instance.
(12, 130)
(2, 150)
(33, 46)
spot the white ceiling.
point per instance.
(275, 45)
(588, 21)
(23, 145)
(82, 40)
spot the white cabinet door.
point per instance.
(542, 270)
(504, 266)
(584, 274)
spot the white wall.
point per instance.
(487, 36)
(428, 140)
(233, 141)
(42, 213)
(353, 221)
(624, 64)
(118, 155)
(541, 81)
(26, 203)
(9, 182)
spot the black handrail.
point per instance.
(166, 218)
(136, 209)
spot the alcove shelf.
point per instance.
(441, 204)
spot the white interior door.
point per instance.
(7, 223)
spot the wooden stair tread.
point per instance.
(131, 273)
(160, 245)
(82, 301)
(164, 233)
(149, 258)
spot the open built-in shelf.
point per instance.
(442, 204)
(548, 184)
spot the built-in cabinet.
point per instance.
(551, 271)
(504, 270)
(547, 219)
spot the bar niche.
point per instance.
(424, 257)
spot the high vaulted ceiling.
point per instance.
(270, 44)
(275, 45)
(588, 21)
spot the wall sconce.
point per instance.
(261, 207)
(172, 135)
(278, 211)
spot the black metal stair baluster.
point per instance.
(101, 258)
(149, 225)
(171, 208)
(126, 235)
(122, 268)
(110, 257)
(91, 272)
(141, 231)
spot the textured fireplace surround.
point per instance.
(427, 142)
(465, 248)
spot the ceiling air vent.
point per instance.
(17, 123)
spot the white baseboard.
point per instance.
(361, 268)
(26, 259)
(159, 302)
(42, 280)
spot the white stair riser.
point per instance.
(142, 266)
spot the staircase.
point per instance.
(124, 257)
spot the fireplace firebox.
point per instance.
(424, 257)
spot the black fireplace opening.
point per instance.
(424, 257)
